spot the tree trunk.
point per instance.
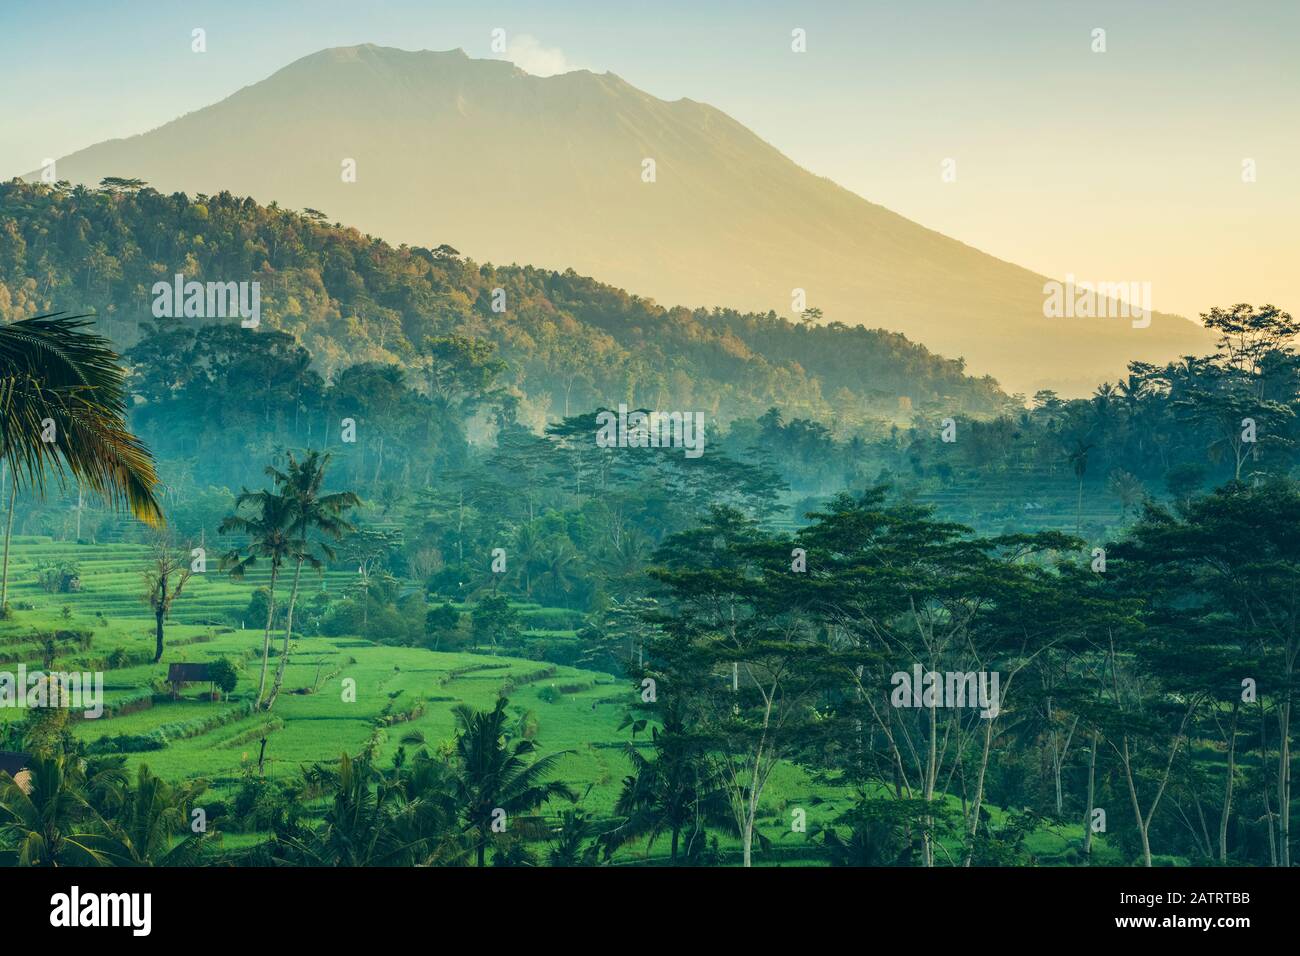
(1092, 793)
(266, 640)
(158, 615)
(979, 788)
(756, 781)
(1227, 787)
(1284, 783)
(1078, 517)
(1137, 808)
(931, 777)
(1263, 763)
(751, 811)
(9, 533)
(379, 466)
(288, 631)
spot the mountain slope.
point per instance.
(571, 343)
(508, 167)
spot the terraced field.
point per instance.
(398, 690)
(1030, 501)
(111, 584)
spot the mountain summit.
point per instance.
(510, 167)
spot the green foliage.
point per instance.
(57, 577)
(259, 606)
(346, 297)
(223, 674)
(494, 620)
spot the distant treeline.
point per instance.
(569, 342)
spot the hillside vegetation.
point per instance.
(570, 342)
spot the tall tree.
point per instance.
(498, 780)
(1235, 552)
(740, 655)
(164, 580)
(314, 513)
(269, 522)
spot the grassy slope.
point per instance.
(321, 725)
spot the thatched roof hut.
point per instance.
(15, 764)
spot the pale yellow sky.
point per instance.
(1123, 165)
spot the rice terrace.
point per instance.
(648, 444)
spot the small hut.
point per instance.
(15, 764)
(178, 675)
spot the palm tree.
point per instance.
(673, 793)
(312, 511)
(150, 817)
(558, 562)
(359, 827)
(1078, 459)
(273, 535)
(623, 562)
(495, 774)
(527, 555)
(55, 823)
(871, 841)
(401, 818)
(569, 846)
(1132, 390)
(1103, 401)
(63, 408)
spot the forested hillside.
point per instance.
(569, 342)
(509, 167)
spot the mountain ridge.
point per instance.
(510, 167)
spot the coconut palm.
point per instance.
(495, 775)
(54, 823)
(1133, 390)
(359, 828)
(575, 840)
(675, 793)
(558, 563)
(312, 512)
(1077, 457)
(150, 817)
(527, 555)
(402, 817)
(270, 522)
(62, 409)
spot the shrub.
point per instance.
(441, 626)
(255, 614)
(223, 674)
(125, 744)
(494, 620)
(58, 577)
(553, 619)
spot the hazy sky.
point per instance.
(1117, 166)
